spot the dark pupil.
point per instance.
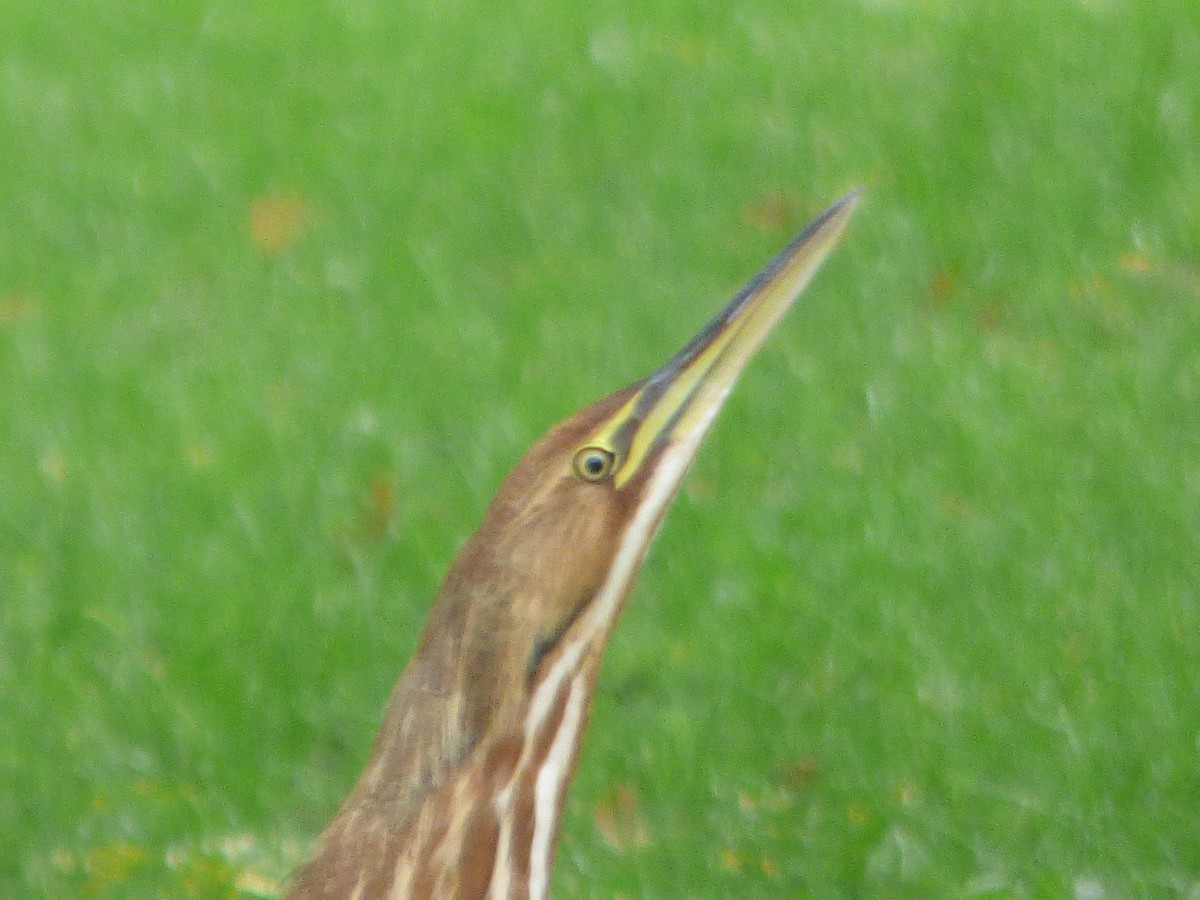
(594, 464)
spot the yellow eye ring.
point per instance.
(592, 463)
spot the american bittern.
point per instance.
(464, 790)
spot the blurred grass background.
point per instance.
(285, 289)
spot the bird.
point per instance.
(464, 790)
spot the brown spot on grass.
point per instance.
(277, 221)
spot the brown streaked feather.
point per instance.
(455, 719)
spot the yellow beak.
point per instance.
(685, 395)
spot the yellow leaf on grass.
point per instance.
(796, 775)
(618, 820)
(113, 864)
(942, 286)
(769, 213)
(731, 861)
(14, 308)
(1135, 263)
(54, 466)
(258, 885)
(382, 506)
(277, 221)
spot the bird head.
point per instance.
(549, 569)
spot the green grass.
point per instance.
(925, 622)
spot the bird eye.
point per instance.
(592, 463)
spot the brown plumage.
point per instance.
(463, 793)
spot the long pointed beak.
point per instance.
(680, 401)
